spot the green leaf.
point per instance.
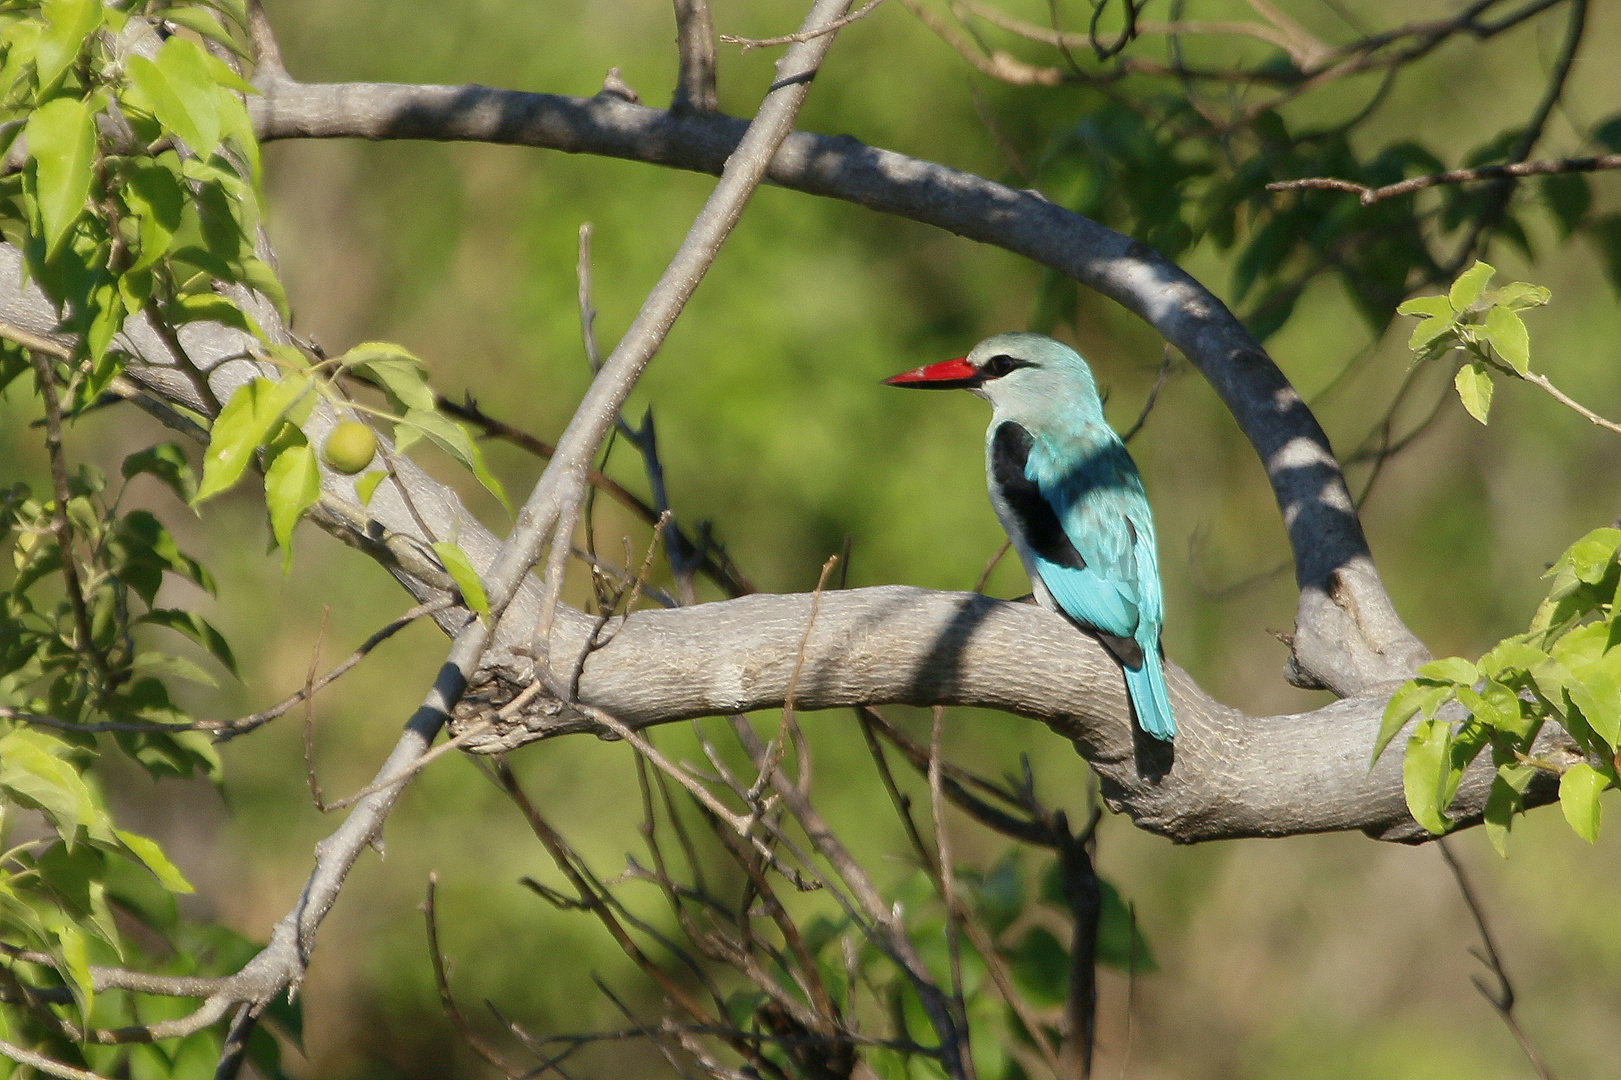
(1429, 330)
(1508, 336)
(1504, 801)
(1466, 290)
(1520, 295)
(202, 22)
(292, 486)
(70, 22)
(1453, 669)
(1474, 383)
(157, 663)
(153, 858)
(76, 963)
(1425, 771)
(452, 438)
(167, 462)
(153, 194)
(1412, 697)
(466, 578)
(1435, 307)
(33, 768)
(1578, 797)
(1590, 557)
(1596, 690)
(1496, 706)
(1511, 654)
(198, 629)
(182, 93)
(62, 142)
(366, 486)
(212, 307)
(243, 425)
(400, 374)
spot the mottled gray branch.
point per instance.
(1348, 636)
(1228, 774)
(695, 89)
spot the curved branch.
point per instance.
(1348, 636)
(1228, 775)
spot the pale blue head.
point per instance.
(1026, 377)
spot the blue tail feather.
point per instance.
(1150, 698)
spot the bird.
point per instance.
(1070, 498)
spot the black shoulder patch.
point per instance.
(1010, 450)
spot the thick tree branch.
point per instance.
(1229, 775)
(1348, 636)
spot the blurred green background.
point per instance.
(1320, 957)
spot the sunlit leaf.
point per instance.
(366, 486)
(1474, 383)
(69, 22)
(155, 860)
(1466, 290)
(452, 438)
(292, 486)
(62, 142)
(1425, 771)
(182, 93)
(1578, 797)
(461, 571)
(243, 425)
(401, 375)
(1510, 655)
(1509, 337)
(1411, 699)
(1428, 306)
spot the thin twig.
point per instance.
(946, 862)
(441, 980)
(720, 570)
(790, 726)
(46, 1065)
(1131, 987)
(394, 780)
(1569, 402)
(230, 729)
(309, 713)
(1502, 1002)
(1370, 195)
(990, 565)
(790, 39)
(86, 643)
(1153, 396)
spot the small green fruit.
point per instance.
(349, 448)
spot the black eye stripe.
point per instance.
(1002, 364)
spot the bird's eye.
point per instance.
(999, 365)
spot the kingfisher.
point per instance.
(1070, 498)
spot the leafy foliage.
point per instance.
(1565, 669)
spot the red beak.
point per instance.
(946, 375)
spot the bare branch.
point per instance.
(695, 48)
(1228, 774)
(1502, 1002)
(1348, 636)
(441, 979)
(230, 729)
(1368, 196)
(46, 1065)
(790, 39)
